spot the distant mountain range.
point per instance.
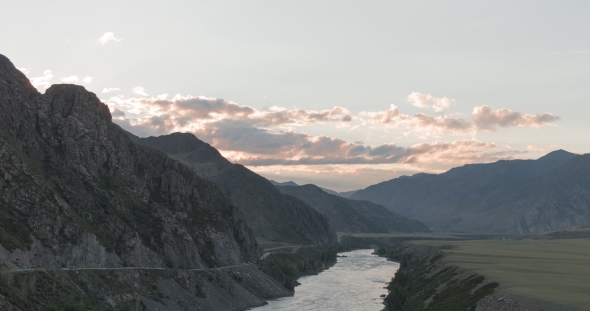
(517, 196)
(344, 194)
(271, 215)
(287, 183)
(347, 215)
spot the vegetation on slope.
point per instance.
(425, 281)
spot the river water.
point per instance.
(354, 283)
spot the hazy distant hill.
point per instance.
(353, 216)
(287, 183)
(344, 194)
(271, 215)
(518, 196)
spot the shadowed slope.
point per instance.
(272, 215)
(347, 215)
(518, 196)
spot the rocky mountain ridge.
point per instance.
(273, 217)
(76, 191)
(518, 196)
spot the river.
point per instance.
(354, 283)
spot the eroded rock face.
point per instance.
(76, 191)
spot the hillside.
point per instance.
(519, 196)
(347, 215)
(76, 192)
(271, 215)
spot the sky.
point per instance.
(342, 94)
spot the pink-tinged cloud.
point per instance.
(428, 101)
(187, 113)
(422, 124)
(457, 152)
(487, 119)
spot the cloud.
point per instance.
(42, 82)
(87, 80)
(107, 37)
(428, 101)
(187, 113)
(24, 70)
(268, 137)
(139, 91)
(425, 154)
(421, 124)
(487, 119)
(110, 89)
(70, 79)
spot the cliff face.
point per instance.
(272, 215)
(76, 191)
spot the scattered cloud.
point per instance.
(421, 124)
(87, 80)
(487, 119)
(70, 79)
(189, 112)
(24, 70)
(270, 138)
(428, 101)
(108, 37)
(110, 89)
(419, 155)
(139, 91)
(42, 82)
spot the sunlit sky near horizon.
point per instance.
(343, 94)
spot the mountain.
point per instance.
(344, 194)
(353, 216)
(271, 215)
(287, 183)
(76, 192)
(518, 196)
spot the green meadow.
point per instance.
(551, 270)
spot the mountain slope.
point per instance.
(271, 215)
(481, 197)
(68, 171)
(76, 192)
(353, 216)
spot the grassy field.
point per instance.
(553, 270)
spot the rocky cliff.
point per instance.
(271, 215)
(75, 191)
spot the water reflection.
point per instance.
(354, 283)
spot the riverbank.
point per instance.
(426, 282)
(487, 273)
